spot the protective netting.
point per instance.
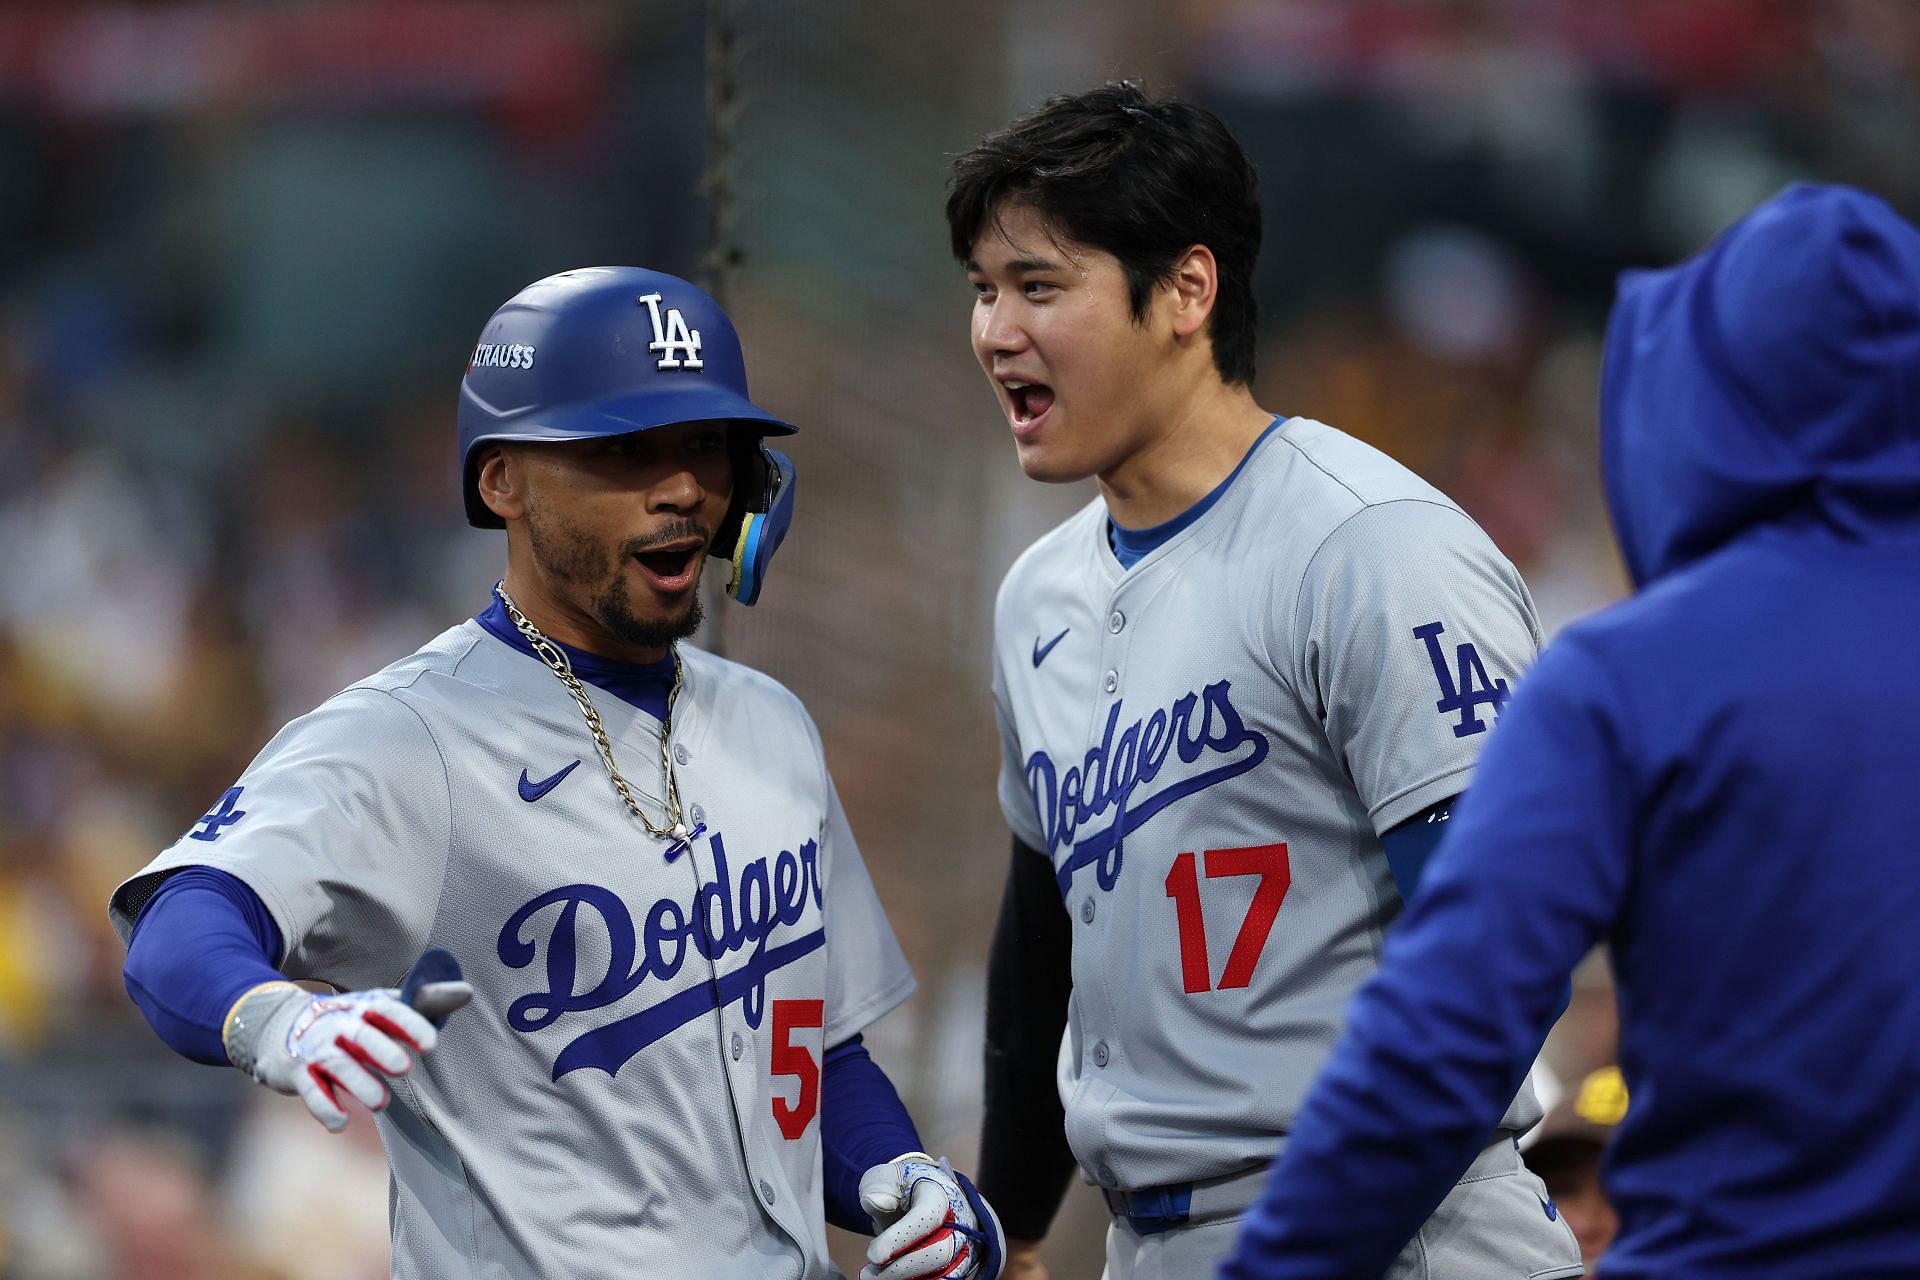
(830, 253)
(832, 261)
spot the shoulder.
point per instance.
(1405, 536)
(365, 722)
(1325, 476)
(1311, 457)
(1056, 561)
(446, 655)
(1347, 503)
(745, 692)
(386, 710)
(736, 679)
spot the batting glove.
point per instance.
(314, 1047)
(929, 1223)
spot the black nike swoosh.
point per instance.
(531, 790)
(1040, 651)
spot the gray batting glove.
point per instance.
(929, 1222)
(314, 1047)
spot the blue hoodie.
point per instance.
(1719, 777)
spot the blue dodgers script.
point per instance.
(1107, 777)
(725, 918)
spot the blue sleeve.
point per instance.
(1531, 873)
(1411, 844)
(202, 941)
(862, 1123)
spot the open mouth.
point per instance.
(671, 568)
(1030, 401)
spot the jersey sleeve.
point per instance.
(866, 972)
(342, 826)
(1409, 630)
(1016, 794)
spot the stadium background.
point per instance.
(244, 252)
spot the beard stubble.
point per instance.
(566, 553)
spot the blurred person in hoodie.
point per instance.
(1716, 777)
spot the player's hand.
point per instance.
(929, 1222)
(317, 1047)
(1023, 1261)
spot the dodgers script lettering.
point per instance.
(1198, 724)
(727, 916)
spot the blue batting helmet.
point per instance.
(607, 351)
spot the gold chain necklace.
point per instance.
(556, 659)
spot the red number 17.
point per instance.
(1269, 862)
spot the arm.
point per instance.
(1529, 876)
(203, 940)
(1024, 1158)
(862, 1123)
(198, 968)
(877, 1177)
(1412, 843)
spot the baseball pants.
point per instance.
(1493, 1225)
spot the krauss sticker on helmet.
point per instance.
(513, 355)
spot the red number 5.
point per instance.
(790, 1059)
(1269, 862)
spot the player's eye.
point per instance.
(624, 446)
(708, 442)
(1039, 289)
(982, 290)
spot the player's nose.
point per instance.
(678, 490)
(998, 330)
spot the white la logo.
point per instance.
(679, 345)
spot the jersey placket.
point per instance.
(1100, 1042)
(735, 1043)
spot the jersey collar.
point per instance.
(642, 685)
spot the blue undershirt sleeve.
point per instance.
(862, 1123)
(203, 940)
(1410, 844)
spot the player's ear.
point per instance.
(502, 482)
(1193, 287)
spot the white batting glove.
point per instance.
(314, 1047)
(929, 1223)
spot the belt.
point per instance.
(1151, 1210)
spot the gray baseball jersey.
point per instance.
(1208, 747)
(636, 1088)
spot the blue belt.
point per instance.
(1152, 1210)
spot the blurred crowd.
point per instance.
(232, 320)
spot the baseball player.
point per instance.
(625, 853)
(1717, 777)
(1237, 693)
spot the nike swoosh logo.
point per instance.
(1040, 651)
(531, 790)
(1553, 1212)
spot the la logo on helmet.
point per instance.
(679, 346)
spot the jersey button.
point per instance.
(1115, 621)
(739, 1046)
(1106, 1176)
(1100, 1054)
(1086, 910)
(1113, 681)
(766, 1191)
(699, 815)
(680, 755)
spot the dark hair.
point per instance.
(1144, 180)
